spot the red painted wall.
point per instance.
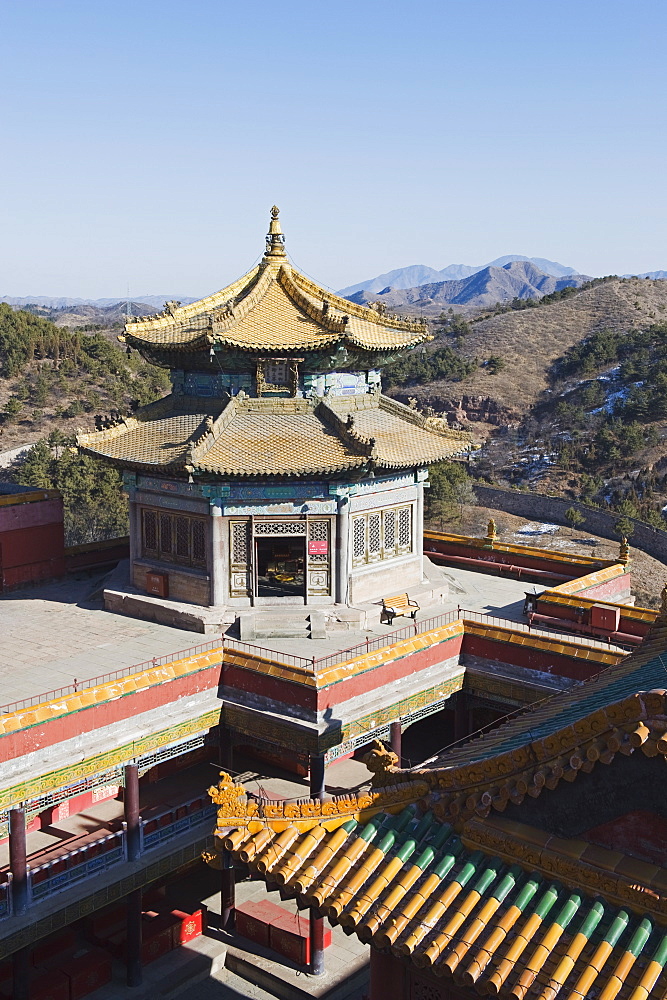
(640, 833)
(534, 659)
(31, 552)
(87, 720)
(606, 591)
(631, 626)
(251, 682)
(372, 680)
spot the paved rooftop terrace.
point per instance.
(58, 632)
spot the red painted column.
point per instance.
(316, 944)
(131, 809)
(317, 784)
(395, 738)
(460, 717)
(17, 860)
(227, 892)
(134, 971)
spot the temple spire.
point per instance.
(275, 241)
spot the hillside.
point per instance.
(89, 316)
(528, 341)
(55, 378)
(481, 290)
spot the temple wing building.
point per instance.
(528, 864)
(275, 472)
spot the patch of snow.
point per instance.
(614, 397)
(610, 374)
(536, 528)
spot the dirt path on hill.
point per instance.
(649, 575)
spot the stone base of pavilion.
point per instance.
(297, 621)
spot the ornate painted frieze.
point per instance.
(258, 509)
(170, 502)
(407, 494)
(103, 762)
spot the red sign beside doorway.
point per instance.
(318, 548)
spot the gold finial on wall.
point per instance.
(491, 534)
(662, 614)
(624, 554)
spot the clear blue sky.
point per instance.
(145, 142)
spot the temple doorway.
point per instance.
(280, 567)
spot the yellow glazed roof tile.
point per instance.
(277, 437)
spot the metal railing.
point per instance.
(313, 663)
(87, 861)
(373, 643)
(114, 675)
(68, 869)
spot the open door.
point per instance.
(280, 567)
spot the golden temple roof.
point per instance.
(272, 308)
(275, 437)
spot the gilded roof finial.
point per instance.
(275, 241)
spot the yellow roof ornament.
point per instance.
(275, 241)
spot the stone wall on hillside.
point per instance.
(538, 507)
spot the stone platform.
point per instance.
(293, 621)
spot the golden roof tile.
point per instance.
(275, 437)
(272, 308)
(504, 908)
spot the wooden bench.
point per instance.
(400, 604)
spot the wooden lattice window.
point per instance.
(150, 531)
(358, 540)
(239, 562)
(381, 535)
(177, 538)
(389, 533)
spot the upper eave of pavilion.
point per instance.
(272, 309)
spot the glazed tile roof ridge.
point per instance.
(244, 436)
(553, 596)
(462, 906)
(534, 550)
(644, 669)
(106, 691)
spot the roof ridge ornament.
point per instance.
(275, 241)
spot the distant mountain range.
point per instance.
(50, 302)
(401, 279)
(420, 274)
(516, 279)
